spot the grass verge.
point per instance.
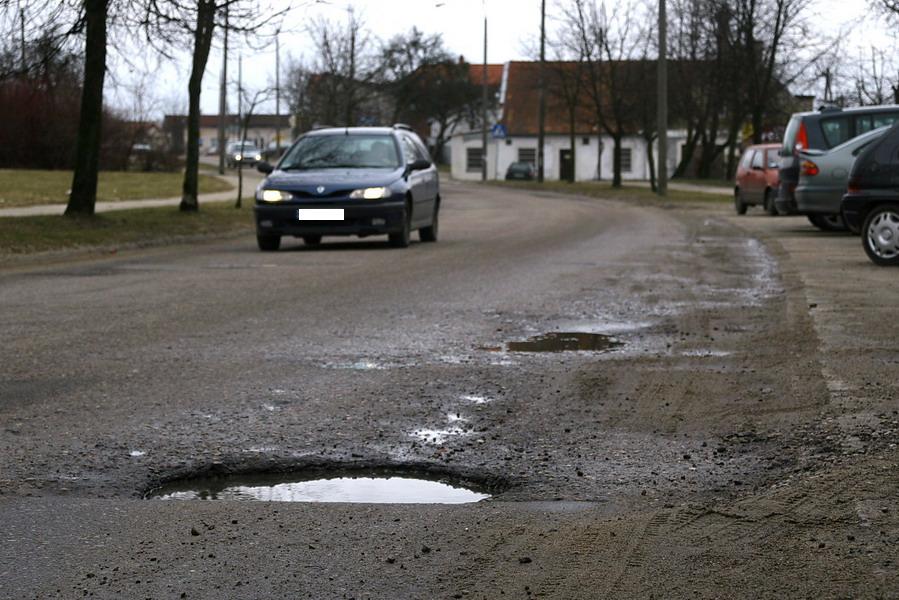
(138, 227)
(604, 190)
(26, 187)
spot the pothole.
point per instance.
(565, 341)
(374, 487)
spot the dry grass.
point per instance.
(25, 187)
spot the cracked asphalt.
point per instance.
(740, 441)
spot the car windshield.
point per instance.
(342, 151)
(244, 148)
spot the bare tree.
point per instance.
(250, 101)
(194, 22)
(87, 148)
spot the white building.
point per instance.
(518, 116)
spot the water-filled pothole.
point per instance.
(368, 487)
(565, 341)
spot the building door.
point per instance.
(566, 165)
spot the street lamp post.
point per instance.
(663, 101)
(484, 104)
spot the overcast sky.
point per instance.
(512, 27)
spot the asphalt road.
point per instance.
(739, 442)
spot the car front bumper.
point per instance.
(359, 219)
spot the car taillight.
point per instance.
(802, 137)
(854, 186)
(809, 168)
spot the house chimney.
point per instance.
(461, 59)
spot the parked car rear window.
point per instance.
(757, 160)
(836, 131)
(746, 159)
(866, 123)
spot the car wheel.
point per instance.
(312, 240)
(402, 238)
(739, 205)
(770, 208)
(268, 242)
(880, 235)
(828, 222)
(429, 233)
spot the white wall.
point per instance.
(501, 153)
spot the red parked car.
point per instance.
(757, 178)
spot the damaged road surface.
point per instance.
(710, 412)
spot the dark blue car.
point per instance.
(349, 181)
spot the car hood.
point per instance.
(331, 179)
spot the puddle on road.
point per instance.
(368, 488)
(565, 341)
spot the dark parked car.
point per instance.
(350, 181)
(822, 130)
(757, 178)
(823, 176)
(520, 170)
(871, 203)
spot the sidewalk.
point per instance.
(250, 179)
(688, 187)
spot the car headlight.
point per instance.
(237, 157)
(373, 193)
(257, 157)
(273, 196)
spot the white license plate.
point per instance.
(320, 214)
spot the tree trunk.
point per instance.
(87, 148)
(616, 161)
(573, 137)
(652, 164)
(202, 41)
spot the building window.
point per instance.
(473, 163)
(585, 141)
(626, 160)
(528, 155)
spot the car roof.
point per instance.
(850, 110)
(352, 131)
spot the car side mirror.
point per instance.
(264, 167)
(418, 165)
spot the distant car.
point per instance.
(757, 178)
(273, 151)
(240, 153)
(822, 130)
(871, 203)
(823, 176)
(350, 181)
(520, 170)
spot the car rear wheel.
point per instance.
(429, 233)
(268, 242)
(770, 208)
(402, 238)
(739, 205)
(312, 240)
(827, 222)
(880, 235)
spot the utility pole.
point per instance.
(484, 105)
(223, 99)
(541, 119)
(277, 94)
(663, 101)
(22, 34)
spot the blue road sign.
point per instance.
(498, 131)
